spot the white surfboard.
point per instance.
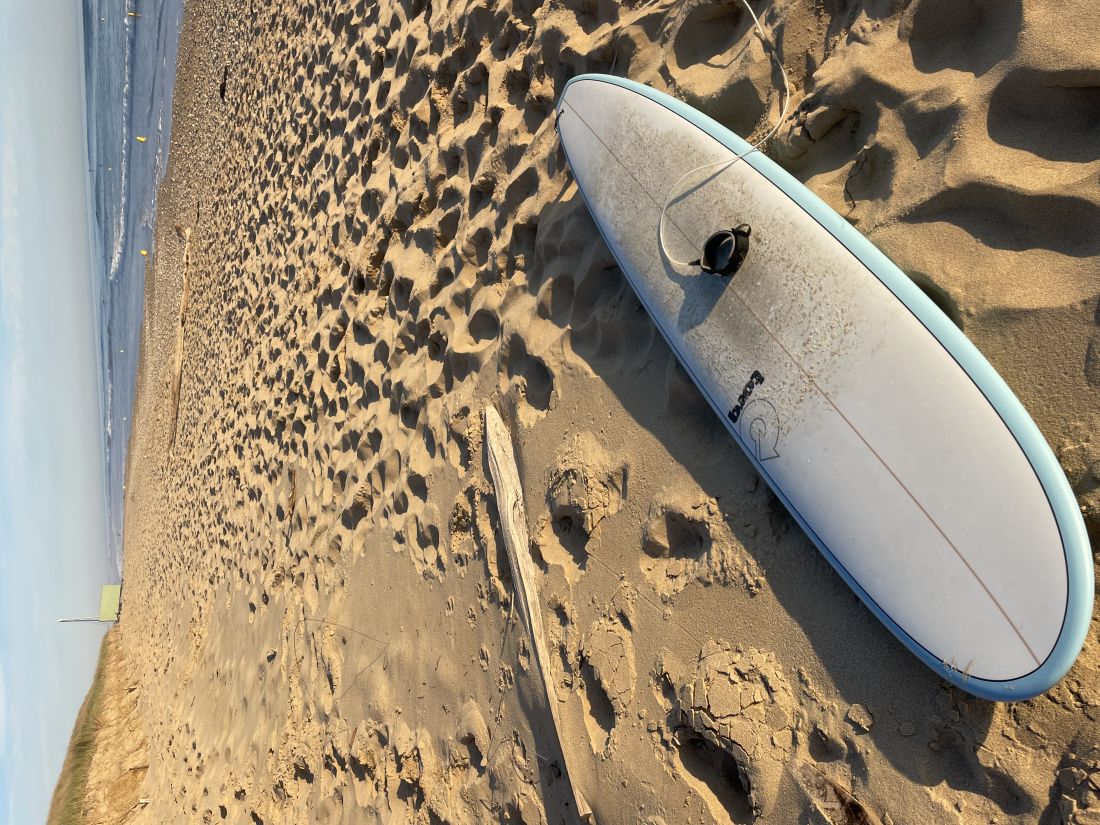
(893, 443)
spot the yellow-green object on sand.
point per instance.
(110, 602)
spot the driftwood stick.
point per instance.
(513, 524)
(177, 367)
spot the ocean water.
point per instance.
(130, 65)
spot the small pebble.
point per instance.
(860, 718)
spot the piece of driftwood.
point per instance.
(513, 524)
(177, 366)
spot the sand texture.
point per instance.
(378, 236)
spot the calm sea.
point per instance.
(130, 64)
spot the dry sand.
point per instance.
(382, 236)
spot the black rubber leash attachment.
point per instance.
(725, 251)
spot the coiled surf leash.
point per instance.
(725, 250)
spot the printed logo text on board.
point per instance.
(755, 380)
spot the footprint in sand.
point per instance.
(732, 718)
(1076, 791)
(586, 486)
(607, 668)
(686, 539)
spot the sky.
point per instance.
(52, 513)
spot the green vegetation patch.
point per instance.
(67, 806)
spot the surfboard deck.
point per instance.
(893, 443)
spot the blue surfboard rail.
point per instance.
(1063, 503)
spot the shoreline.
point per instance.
(126, 187)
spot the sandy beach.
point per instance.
(368, 232)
